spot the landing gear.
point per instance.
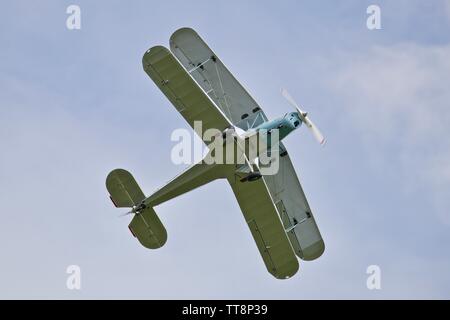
(252, 176)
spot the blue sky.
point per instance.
(76, 104)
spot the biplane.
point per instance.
(201, 88)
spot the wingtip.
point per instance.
(181, 30)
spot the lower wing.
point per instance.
(297, 217)
(266, 227)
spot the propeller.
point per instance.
(134, 210)
(304, 117)
(126, 214)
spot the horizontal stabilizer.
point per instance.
(145, 226)
(148, 229)
(124, 190)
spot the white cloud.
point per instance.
(397, 98)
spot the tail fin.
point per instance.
(126, 193)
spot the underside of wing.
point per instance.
(181, 89)
(265, 225)
(297, 217)
(215, 79)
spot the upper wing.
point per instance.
(212, 75)
(266, 227)
(181, 89)
(294, 209)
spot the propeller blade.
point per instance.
(289, 98)
(315, 131)
(303, 116)
(126, 214)
(292, 102)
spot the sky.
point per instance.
(76, 104)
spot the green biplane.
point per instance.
(275, 208)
